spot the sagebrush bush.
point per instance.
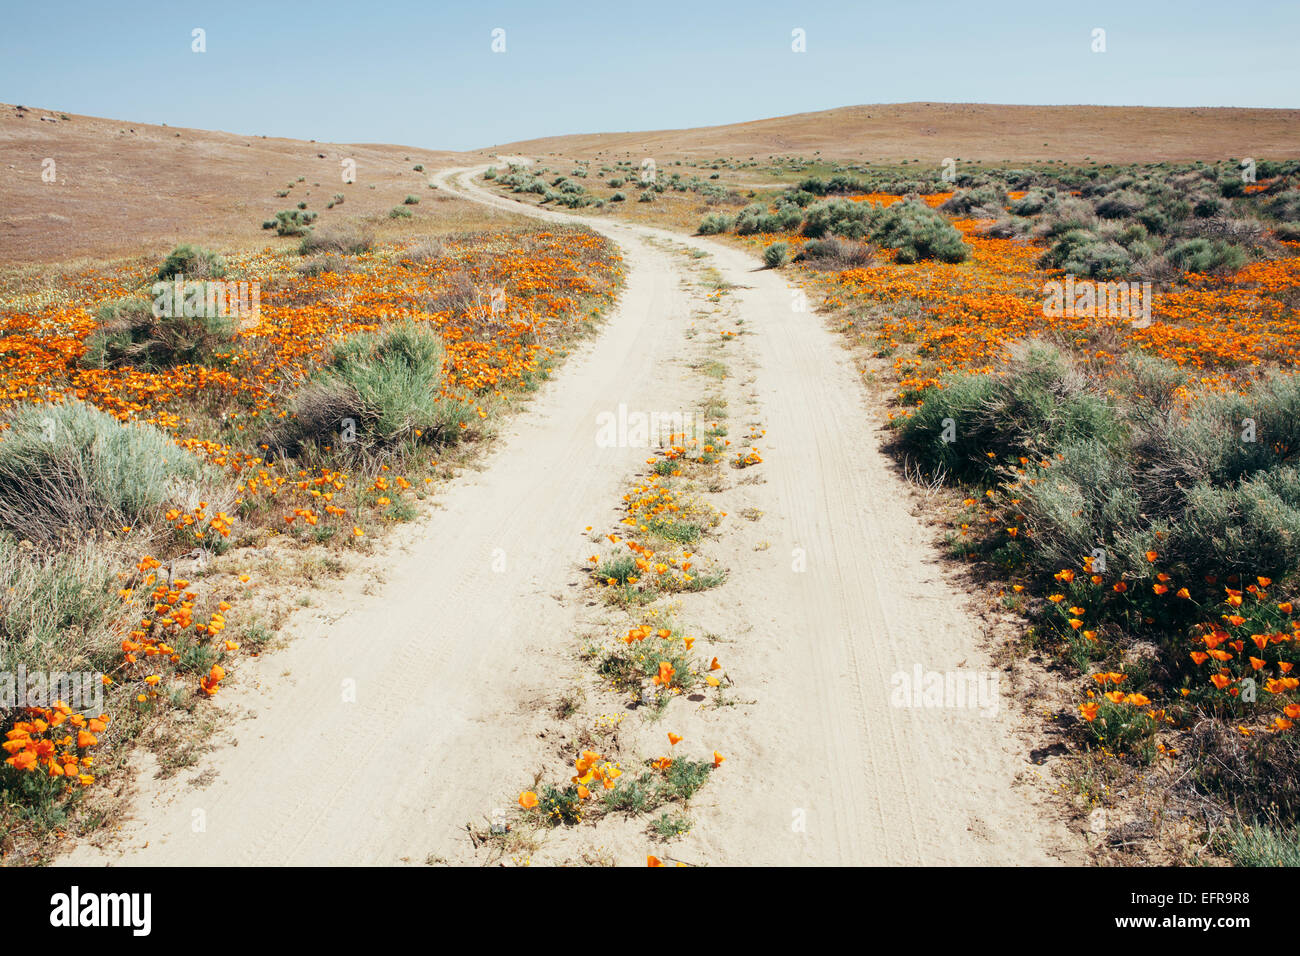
(1064, 215)
(192, 262)
(776, 255)
(1084, 253)
(388, 383)
(916, 232)
(839, 217)
(1042, 400)
(293, 222)
(1285, 207)
(988, 199)
(129, 333)
(713, 224)
(66, 469)
(1204, 255)
(747, 220)
(1212, 486)
(1033, 202)
(1009, 227)
(1122, 204)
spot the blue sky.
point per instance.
(423, 73)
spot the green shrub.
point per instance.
(411, 201)
(713, 224)
(990, 198)
(776, 255)
(1183, 483)
(916, 232)
(293, 222)
(399, 212)
(490, 173)
(840, 217)
(1040, 401)
(559, 806)
(1122, 728)
(192, 262)
(1033, 202)
(66, 469)
(130, 334)
(388, 383)
(1084, 253)
(1205, 255)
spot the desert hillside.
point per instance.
(972, 131)
(122, 187)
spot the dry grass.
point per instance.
(127, 189)
(967, 131)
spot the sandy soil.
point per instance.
(395, 718)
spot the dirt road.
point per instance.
(452, 660)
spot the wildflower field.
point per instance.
(136, 447)
(1101, 363)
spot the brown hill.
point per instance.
(123, 188)
(931, 132)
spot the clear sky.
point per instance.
(424, 74)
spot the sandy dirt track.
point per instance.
(453, 663)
